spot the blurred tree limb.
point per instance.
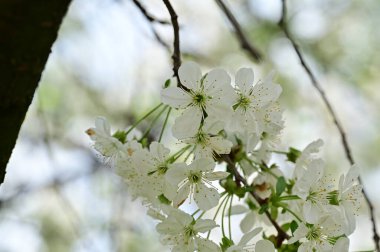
(347, 149)
(245, 44)
(28, 30)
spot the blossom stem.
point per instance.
(179, 153)
(229, 218)
(290, 211)
(216, 213)
(153, 122)
(143, 118)
(223, 213)
(257, 167)
(289, 197)
(196, 212)
(164, 125)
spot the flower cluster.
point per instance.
(227, 133)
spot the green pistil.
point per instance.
(194, 178)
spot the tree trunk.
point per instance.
(28, 29)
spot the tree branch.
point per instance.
(318, 87)
(152, 20)
(176, 52)
(28, 30)
(281, 234)
(244, 42)
(149, 16)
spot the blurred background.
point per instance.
(59, 196)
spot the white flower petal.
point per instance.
(244, 79)
(206, 245)
(220, 145)
(217, 83)
(247, 222)
(341, 245)
(202, 165)
(102, 125)
(311, 212)
(249, 236)
(176, 173)
(300, 232)
(175, 97)
(216, 175)
(202, 226)
(190, 75)
(187, 124)
(159, 151)
(206, 198)
(238, 209)
(182, 195)
(264, 246)
(264, 94)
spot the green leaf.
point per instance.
(167, 83)
(280, 186)
(293, 226)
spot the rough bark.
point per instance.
(28, 28)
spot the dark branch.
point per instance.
(318, 87)
(148, 15)
(281, 234)
(176, 52)
(28, 30)
(244, 42)
(152, 20)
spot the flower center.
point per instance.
(194, 178)
(199, 99)
(162, 169)
(201, 137)
(314, 233)
(242, 102)
(189, 231)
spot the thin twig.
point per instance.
(149, 16)
(282, 235)
(152, 20)
(244, 42)
(318, 87)
(176, 56)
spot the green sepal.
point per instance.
(226, 243)
(120, 135)
(164, 200)
(293, 154)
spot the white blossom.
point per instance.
(109, 146)
(194, 180)
(318, 236)
(206, 140)
(180, 230)
(251, 100)
(260, 246)
(212, 95)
